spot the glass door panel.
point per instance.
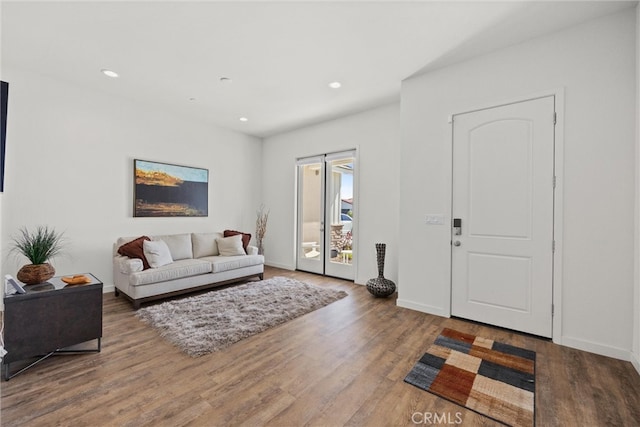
(339, 215)
(310, 241)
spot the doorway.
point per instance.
(326, 214)
(503, 215)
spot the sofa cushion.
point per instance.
(226, 263)
(204, 244)
(179, 245)
(175, 270)
(246, 237)
(134, 249)
(157, 253)
(230, 246)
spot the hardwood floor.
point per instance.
(341, 365)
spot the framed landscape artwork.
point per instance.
(163, 189)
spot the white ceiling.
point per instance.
(280, 55)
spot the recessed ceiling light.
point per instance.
(335, 85)
(244, 119)
(225, 80)
(192, 99)
(109, 73)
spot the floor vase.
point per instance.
(379, 286)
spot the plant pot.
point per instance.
(32, 274)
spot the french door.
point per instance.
(326, 222)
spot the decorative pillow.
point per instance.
(157, 253)
(231, 246)
(204, 244)
(246, 237)
(134, 249)
(179, 245)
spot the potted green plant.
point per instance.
(38, 247)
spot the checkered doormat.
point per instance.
(491, 378)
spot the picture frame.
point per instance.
(4, 102)
(15, 286)
(169, 190)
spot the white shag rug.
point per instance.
(209, 322)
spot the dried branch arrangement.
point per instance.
(261, 226)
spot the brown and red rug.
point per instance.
(493, 379)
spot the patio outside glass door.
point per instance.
(326, 215)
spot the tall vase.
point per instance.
(379, 286)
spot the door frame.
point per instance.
(558, 198)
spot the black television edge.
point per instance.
(4, 98)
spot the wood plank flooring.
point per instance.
(341, 365)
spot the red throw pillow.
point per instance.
(134, 249)
(246, 237)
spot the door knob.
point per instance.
(457, 243)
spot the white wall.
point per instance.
(595, 66)
(376, 133)
(635, 354)
(70, 158)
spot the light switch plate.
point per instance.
(435, 219)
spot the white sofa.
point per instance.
(197, 264)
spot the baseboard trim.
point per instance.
(108, 288)
(593, 347)
(635, 361)
(429, 309)
(278, 265)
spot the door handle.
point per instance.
(457, 243)
(457, 226)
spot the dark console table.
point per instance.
(49, 318)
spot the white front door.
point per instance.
(503, 188)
